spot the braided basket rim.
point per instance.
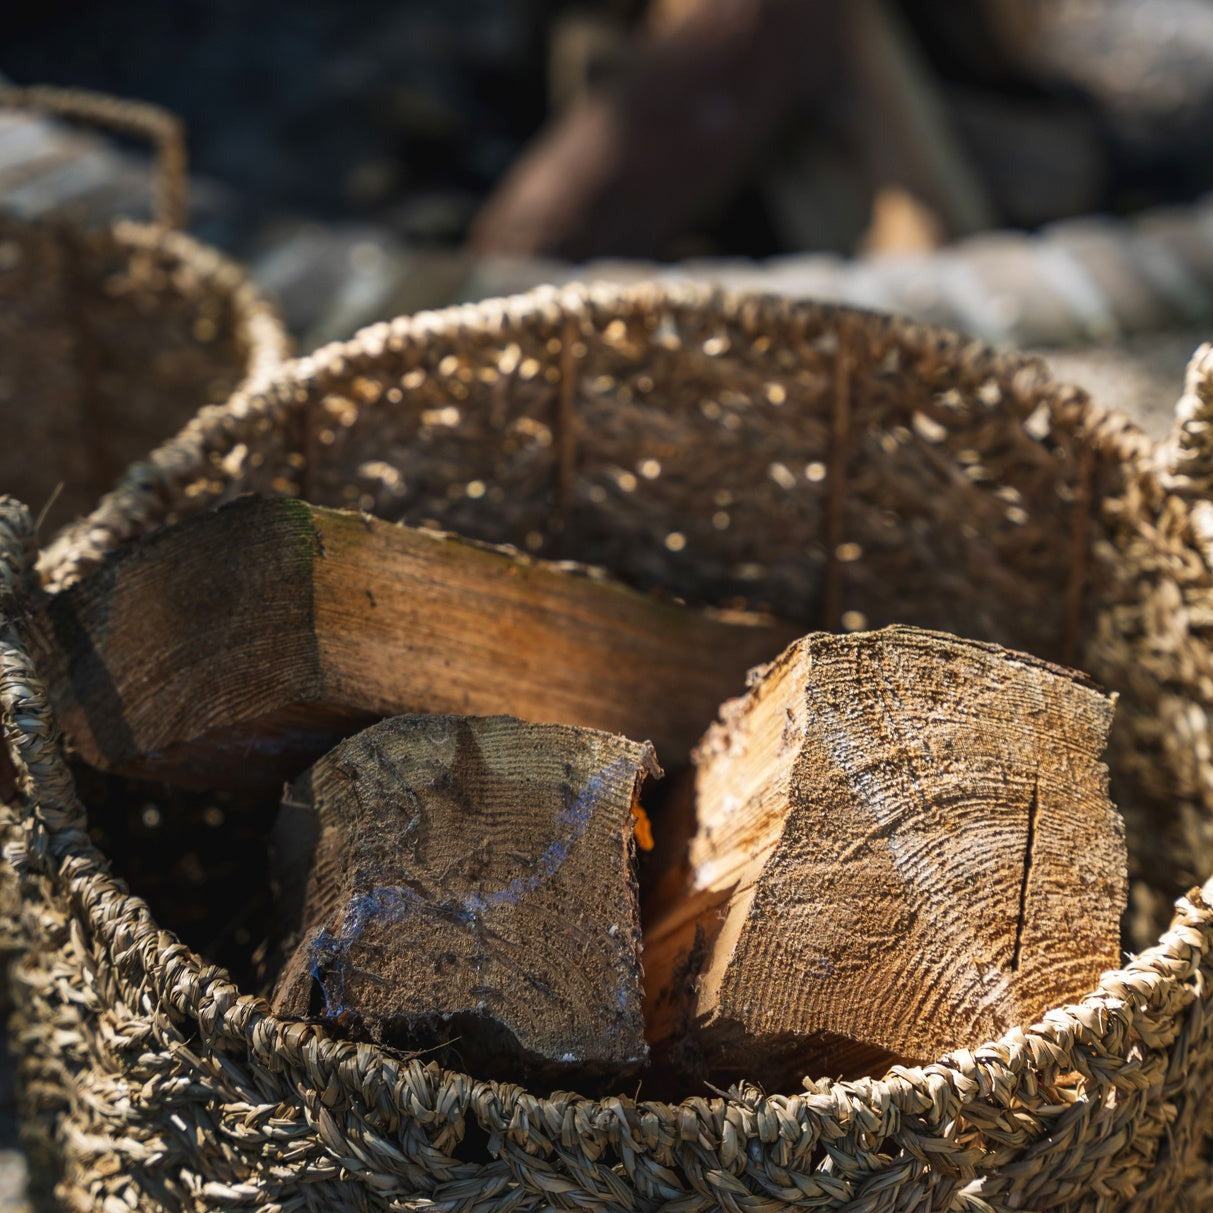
(258, 323)
(289, 387)
(1087, 1037)
(257, 319)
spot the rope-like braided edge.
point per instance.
(162, 128)
(1186, 459)
(143, 493)
(911, 1107)
(260, 332)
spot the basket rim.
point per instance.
(258, 319)
(289, 387)
(1090, 1037)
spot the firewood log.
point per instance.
(904, 845)
(471, 878)
(234, 649)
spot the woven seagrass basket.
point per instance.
(112, 337)
(848, 470)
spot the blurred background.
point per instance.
(378, 157)
(738, 127)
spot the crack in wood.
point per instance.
(1029, 844)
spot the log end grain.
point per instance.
(470, 883)
(904, 846)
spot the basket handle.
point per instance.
(54, 821)
(1187, 455)
(162, 129)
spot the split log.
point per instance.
(905, 845)
(234, 649)
(470, 878)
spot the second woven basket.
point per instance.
(111, 337)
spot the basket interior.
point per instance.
(841, 466)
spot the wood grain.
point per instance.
(471, 878)
(236, 648)
(904, 845)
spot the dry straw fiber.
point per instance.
(838, 466)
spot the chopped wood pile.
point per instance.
(867, 857)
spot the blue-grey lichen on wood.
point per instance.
(904, 846)
(468, 881)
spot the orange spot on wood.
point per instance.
(642, 827)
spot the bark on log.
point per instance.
(471, 878)
(234, 649)
(904, 846)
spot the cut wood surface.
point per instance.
(904, 845)
(234, 649)
(470, 880)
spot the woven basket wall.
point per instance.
(111, 338)
(844, 469)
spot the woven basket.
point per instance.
(111, 338)
(841, 467)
